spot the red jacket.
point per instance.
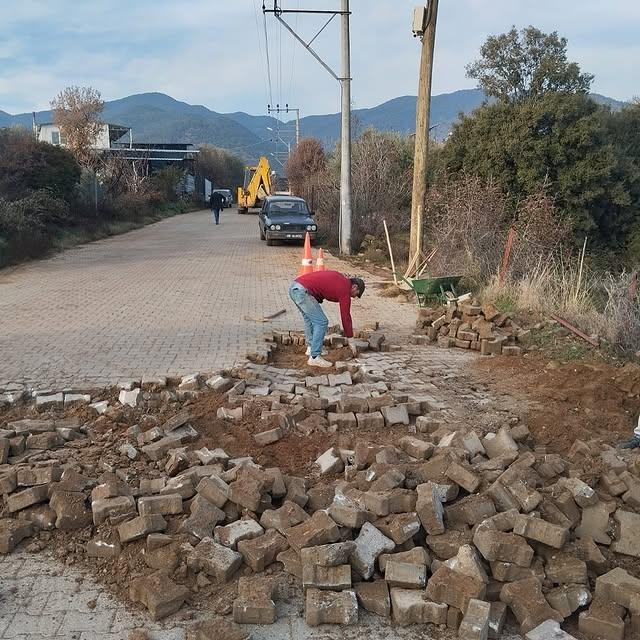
(333, 286)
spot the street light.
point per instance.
(284, 142)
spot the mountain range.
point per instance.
(156, 117)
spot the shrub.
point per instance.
(380, 187)
(27, 165)
(26, 225)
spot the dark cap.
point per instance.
(359, 282)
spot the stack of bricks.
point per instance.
(469, 325)
(447, 525)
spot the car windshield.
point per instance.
(289, 207)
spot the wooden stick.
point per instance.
(393, 264)
(579, 282)
(573, 329)
(266, 318)
(410, 265)
(425, 264)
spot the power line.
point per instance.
(293, 53)
(266, 44)
(262, 65)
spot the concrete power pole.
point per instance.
(345, 88)
(418, 194)
(345, 135)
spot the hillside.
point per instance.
(156, 117)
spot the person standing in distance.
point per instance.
(216, 200)
(308, 292)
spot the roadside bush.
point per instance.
(467, 224)
(27, 165)
(26, 225)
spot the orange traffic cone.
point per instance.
(320, 261)
(307, 258)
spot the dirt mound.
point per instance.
(568, 401)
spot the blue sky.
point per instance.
(212, 52)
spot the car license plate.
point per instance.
(294, 235)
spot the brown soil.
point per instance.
(568, 401)
(293, 357)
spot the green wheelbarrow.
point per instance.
(432, 289)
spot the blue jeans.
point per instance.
(216, 215)
(315, 322)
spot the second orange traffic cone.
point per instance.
(320, 261)
(307, 258)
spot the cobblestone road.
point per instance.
(42, 598)
(167, 299)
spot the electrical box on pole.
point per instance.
(419, 18)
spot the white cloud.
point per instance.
(211, 52)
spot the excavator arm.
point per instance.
(257, 188)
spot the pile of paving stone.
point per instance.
(445, 526)
(470, 325)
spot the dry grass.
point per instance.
(599, 304)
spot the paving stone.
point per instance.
(23, 499)
(159, 594)
(12, 532)
(374, 597)
(540, 531)
(317, 530)
(214, 490)
(331, 578)
(215, 560)
(370, 543)
(454, 588)
(260, 552)
(412, 606)
(602, 620)
(405, 575)
(548, 630)
(140, 527)
(628, 539)
(233, 533)
(71, 510)
(475, 624)
(327, 607)
(525, 599)
(204, 517)
(395, 415)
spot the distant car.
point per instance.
(227, 194)
(285, 218)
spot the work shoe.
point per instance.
(308, 352)
(319, 361)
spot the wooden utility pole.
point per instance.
(418, 194)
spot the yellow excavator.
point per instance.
(257, 186)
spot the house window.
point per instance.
(55, 137)
(63, 139)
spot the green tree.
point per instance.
(514, 66)
(562, 141)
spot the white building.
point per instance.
(107, 137)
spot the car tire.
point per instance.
(270, 241)
(262, 236)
